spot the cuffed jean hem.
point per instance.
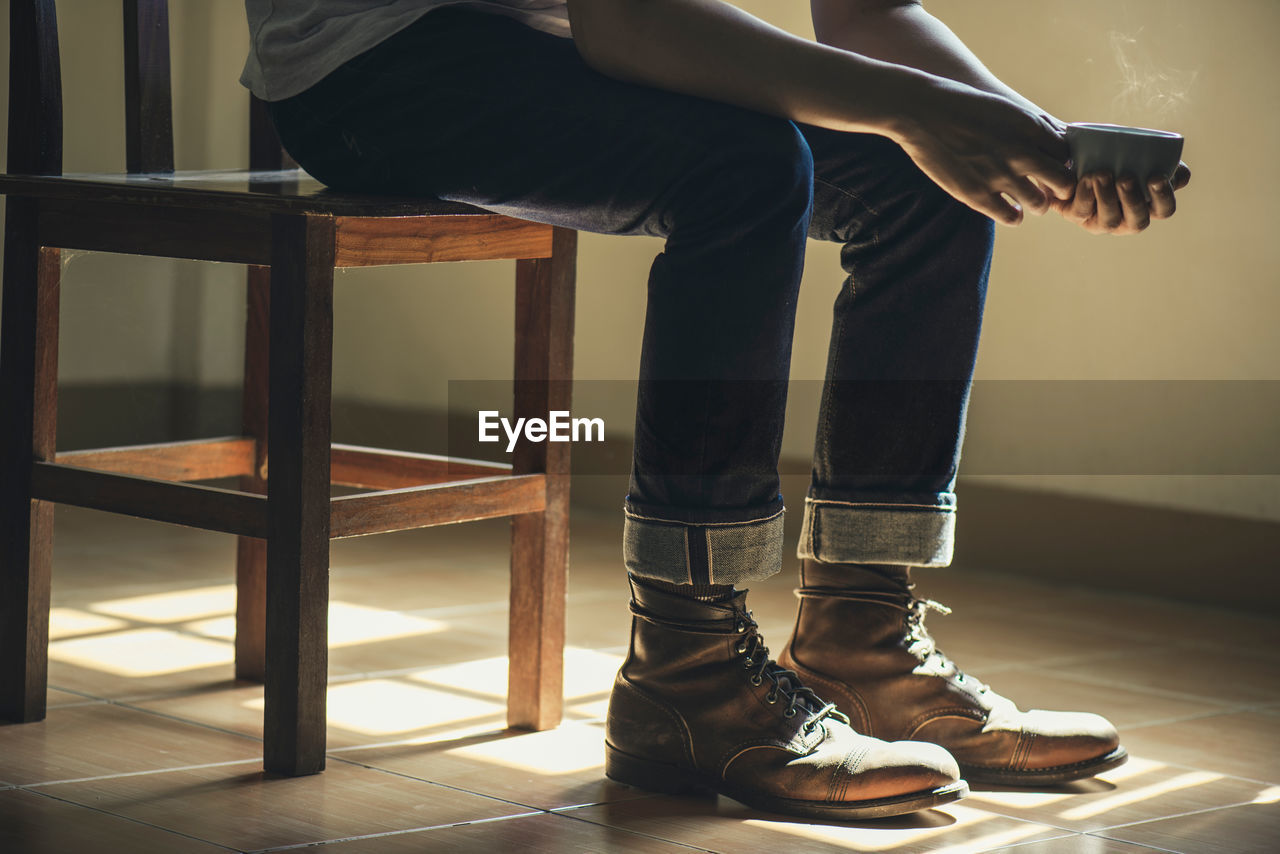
(904, 533)
(702, 552)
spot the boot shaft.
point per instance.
(852, 610)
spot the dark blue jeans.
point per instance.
(478, 108)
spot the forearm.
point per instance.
(713, 50)
(903, 32)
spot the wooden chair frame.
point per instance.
(292, 235)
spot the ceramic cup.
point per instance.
(1140, 152)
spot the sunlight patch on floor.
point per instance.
(586, 672)
(1142, 793)
(386, 706)
(884, 839)
(142, 652)
(570, 749)
(69, 622)
(172, 607)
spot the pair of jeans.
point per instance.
(477, 108)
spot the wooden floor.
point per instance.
(150, 746)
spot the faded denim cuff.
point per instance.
(658, 545)
(908, 532)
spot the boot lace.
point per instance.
(784, 683)
(922, 645)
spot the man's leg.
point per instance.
(479, 109)
(903, 346)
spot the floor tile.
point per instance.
(88, 741)
(1167, 621)
(1140, 790)
(361, 711)
(539, 834)
(149, 663)
(557, 768)
(723, 825)
(1049, 688)
(1246, 744)
(1245, 829)
(240, 807)
(32, 823)
(1216, 675)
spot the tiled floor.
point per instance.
(149, 745)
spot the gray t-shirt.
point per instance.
(293, 44)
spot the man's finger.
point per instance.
(1181, 176)
(1110, 213)
(1027, 194)
(995, 206)
(1163, 201)
(1051, 174)
(1085, 203)
(1137, 216)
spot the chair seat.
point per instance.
(172, 214)
(283, 191)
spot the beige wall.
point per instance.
(1194, 298)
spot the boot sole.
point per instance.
(1046, 776)
(629, 770)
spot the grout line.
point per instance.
(165, 715)
(123, 774)
(1200, 811)
(1157, 692)
(393, 833)
(1177, 719)
(78, 705)
(1013, 846)
(1225, 776)
(84, 694)
(134, 821)
(408, 776)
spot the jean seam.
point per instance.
(638, 517)
(934, 507)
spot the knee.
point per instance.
(756, 172)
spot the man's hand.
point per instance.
(981, 148)
(1101, 204)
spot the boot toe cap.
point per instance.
(1067, 738)
(894, 768)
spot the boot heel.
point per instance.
(649, 775)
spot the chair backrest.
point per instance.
(35, 93)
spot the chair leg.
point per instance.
(28, 413)
(298, 493)
(540, 541)
(251, 552)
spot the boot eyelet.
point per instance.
(747, 663)
(740, 649)
(771, 698)
(756, 681)
(741, 627)
(789, 713)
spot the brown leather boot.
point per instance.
(860, 640)
(699, 706)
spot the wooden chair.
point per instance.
(292, 234)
